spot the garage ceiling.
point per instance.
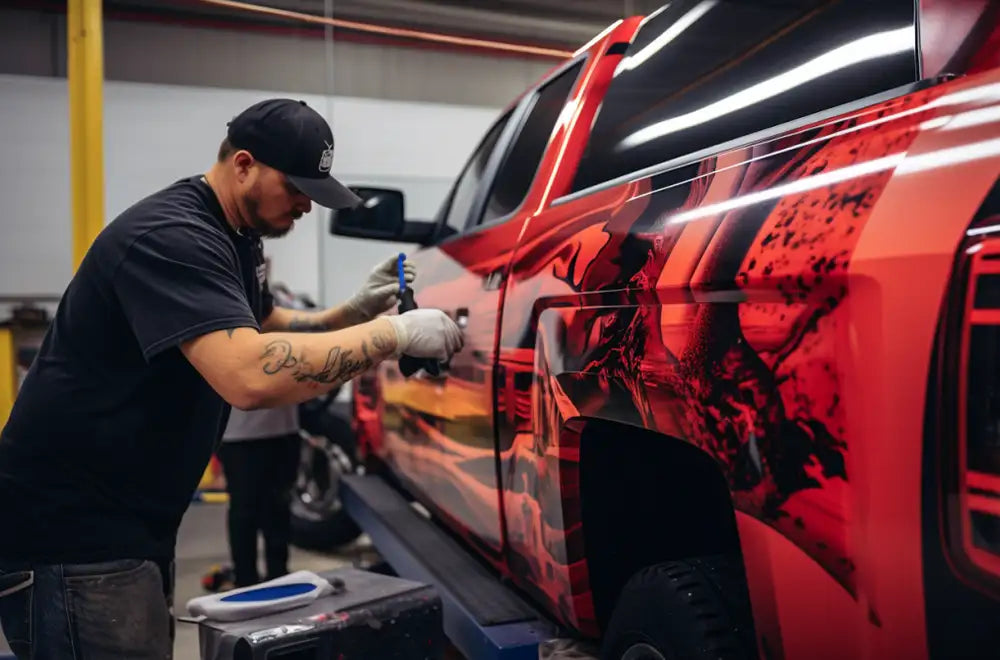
(563, 24)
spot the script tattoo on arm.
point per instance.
(340, 365)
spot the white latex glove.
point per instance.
(426, 333)
(380, 292)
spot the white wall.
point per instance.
(154, 134)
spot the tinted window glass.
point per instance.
(521, 162)
(701, 72)
(463, 195)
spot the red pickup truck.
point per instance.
(730, 281)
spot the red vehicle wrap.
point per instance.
(815, 311)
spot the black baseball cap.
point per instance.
(294, 139)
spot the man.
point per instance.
(167, 323)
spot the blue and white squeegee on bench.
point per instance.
(277, 595)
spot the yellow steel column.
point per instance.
(8, 371)
(85, 49)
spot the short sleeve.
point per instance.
(176, 283)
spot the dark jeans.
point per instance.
(259, 478)
(115, 609)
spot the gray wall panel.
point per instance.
(33, 43)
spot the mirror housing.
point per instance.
(380, 216)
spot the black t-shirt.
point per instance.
(113, 427)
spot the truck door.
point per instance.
(439, 434)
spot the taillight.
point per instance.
(961, 450)
(978, 458)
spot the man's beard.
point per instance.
(258, 224)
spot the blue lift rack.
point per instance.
(483, 618)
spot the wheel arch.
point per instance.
(646, 498)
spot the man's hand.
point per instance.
(379, 294)
(426, 333)
(380, 291)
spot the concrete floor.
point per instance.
(201, 543)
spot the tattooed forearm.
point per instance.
(283, 319)
(306, 324)
(339, 364)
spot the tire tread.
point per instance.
(694, 608)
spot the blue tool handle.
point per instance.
(400, 260)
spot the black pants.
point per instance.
(259, 477)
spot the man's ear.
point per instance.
(243, 161)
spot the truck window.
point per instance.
(459, 204)
(521, 162)
(702, 72)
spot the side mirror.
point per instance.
(380, 216)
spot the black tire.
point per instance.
(692, 609)
(318, 520)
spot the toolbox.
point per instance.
(368, 615)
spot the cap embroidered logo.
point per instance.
(326, 158)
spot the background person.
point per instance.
(260, 455)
